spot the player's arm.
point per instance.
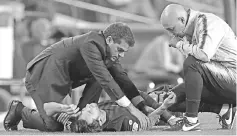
(124, 82)
(209, 38)
(51, 108)
(155, 115)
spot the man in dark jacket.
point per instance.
(91, 59)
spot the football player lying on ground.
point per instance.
(209, 103)
(106, 116)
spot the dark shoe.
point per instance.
(228, 118)
(12, 118)
(188, 126)
(177, 126)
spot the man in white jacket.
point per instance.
(210, 67)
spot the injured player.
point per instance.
(106, 116)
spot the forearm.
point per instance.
(193, 50)
(155, 115)
(52, 108)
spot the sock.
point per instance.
(166, 116)
(149, 101)
(170, 119)
(141, 107)
(19, 108)
(192, 119)
(224, 109)
(192, 107)
(193, 87)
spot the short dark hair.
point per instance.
(120, 31)
(81, 126)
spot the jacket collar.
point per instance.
(189, 29)
(107, 50)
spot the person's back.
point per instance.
(226, 45)
(67, 52)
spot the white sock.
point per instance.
(224, 109)
(192, 119)
(171, 119)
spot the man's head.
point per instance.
(81, 126)
(174, 19)
(119, 38)
(90, 119)
(92, 113)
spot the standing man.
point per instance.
(91, 59)
(210, 47)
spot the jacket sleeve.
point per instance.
(121, 77)
(209, 36)
(95, 63)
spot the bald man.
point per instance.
(210, 67)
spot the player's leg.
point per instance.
(30, 117)
(31, 120)
(212, 75)
(166, 116)
(91, 94)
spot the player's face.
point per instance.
(176, 29)
(117, 50)
(90, 113)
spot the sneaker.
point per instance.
(226, 120)
(190, 126)
(12, 118)
(177, 126)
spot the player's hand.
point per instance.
(70, 109)
(170, 100)
(143, 119)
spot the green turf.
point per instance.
(209, 126)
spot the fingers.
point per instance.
(71, 109)
(76, 114)
(148, 123)
(143, 123)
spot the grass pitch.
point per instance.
(209, 126)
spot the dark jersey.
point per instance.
(118, 118)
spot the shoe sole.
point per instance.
(190, 128)
(232, 124)
(9, 107)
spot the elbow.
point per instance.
(205, 59)
(203, 56)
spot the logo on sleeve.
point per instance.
(135, 126)
(130, 122)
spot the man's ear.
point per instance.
(109, 40)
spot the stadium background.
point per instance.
(72, 17)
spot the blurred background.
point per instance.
(29, 26)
